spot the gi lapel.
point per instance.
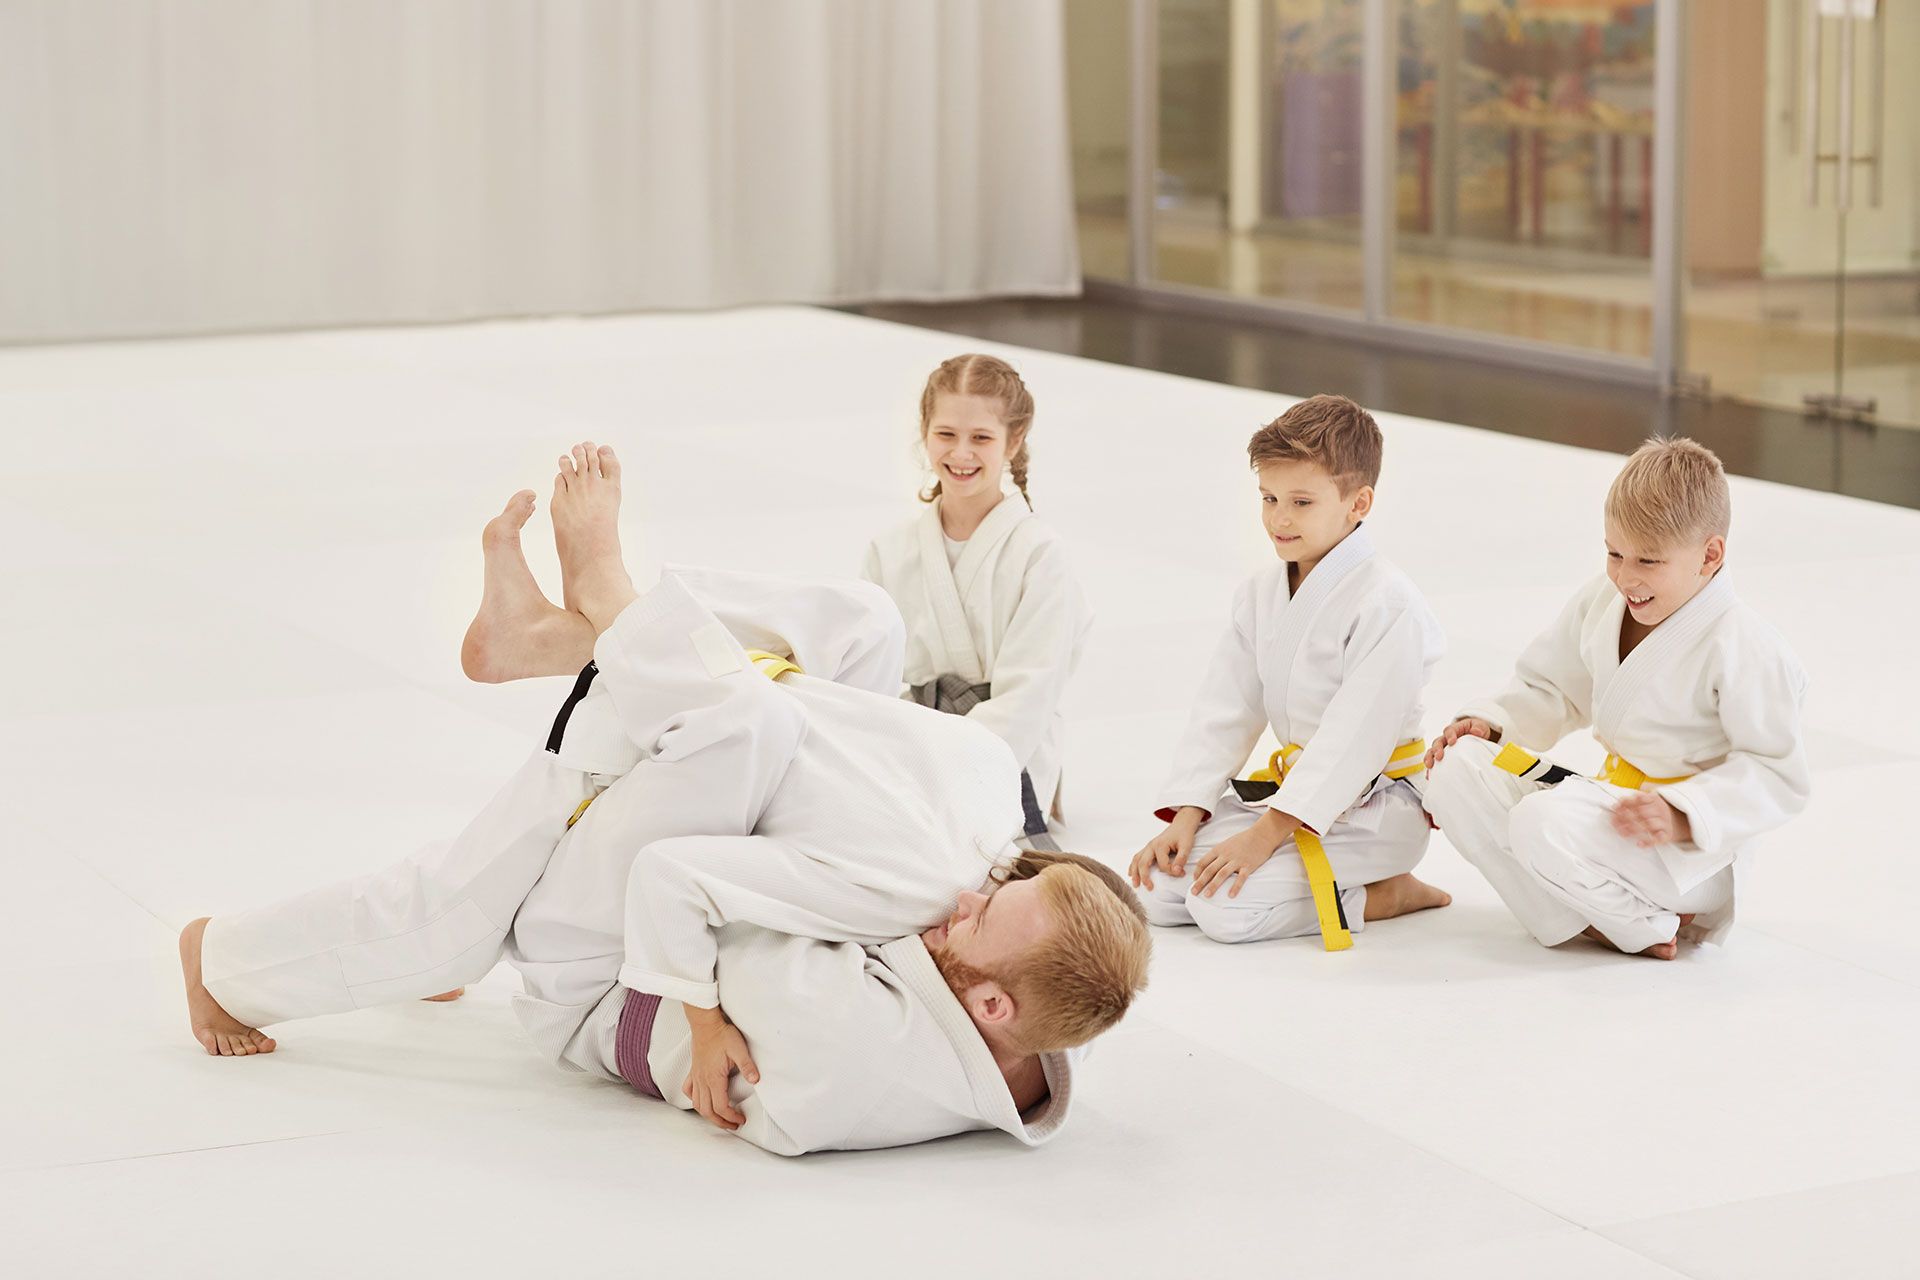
(1667, 642)
(949, 588)
(950, 643)
(909, 961)
(1276, 660)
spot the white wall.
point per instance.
(171, 166)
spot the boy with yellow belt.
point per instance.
(1697, 700)
(1331, 647)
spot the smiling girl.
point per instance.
(995, 619)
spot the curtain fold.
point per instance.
(179, 166)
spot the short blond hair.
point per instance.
(1080, 979)
(1332, 432)
(1671, 492)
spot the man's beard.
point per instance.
(961, 977)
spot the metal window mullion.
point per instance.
(1669, 240)
(1143, 136)
(1377, 156)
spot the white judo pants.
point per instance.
(1553, 856)
(517, 881)
(1382, 837)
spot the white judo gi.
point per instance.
(1009, 614)
(723, 807)
(1337, 669)
(1707, 707)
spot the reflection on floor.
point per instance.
(1769, 342)
(1861, 460)
(245, 565)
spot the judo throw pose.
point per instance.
(741, 874)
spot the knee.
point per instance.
(1458, 768)
(1224, 923)
(1164, 909)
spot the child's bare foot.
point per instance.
(518, 631)
(446, 996)
(1402, 895)
(219, 1032)
(1658, 951)
(586, 530)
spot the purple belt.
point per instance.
(630, 1042)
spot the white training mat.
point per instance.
(236, 579)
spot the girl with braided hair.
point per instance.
(995, 619)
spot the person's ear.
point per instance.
(1716, 555)
(990, 1004)
(1362, 503)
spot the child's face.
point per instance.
(1657, 580)
(966, 444)
(1304, 511)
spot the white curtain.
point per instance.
(172, 166)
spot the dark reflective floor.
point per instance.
(1881, 463)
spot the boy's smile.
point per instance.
(1304, 512)
(1656, 581)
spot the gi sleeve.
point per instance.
(682, 890)
(1765, 779)
(1551, 693)
(1229, 714)
(1382, 670)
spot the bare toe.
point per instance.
(609, 465)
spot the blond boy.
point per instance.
(1696, 699)
(1330, 647)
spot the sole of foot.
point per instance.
(445, 996)
(511, 602)
(219, 1032)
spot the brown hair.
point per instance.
(1080, 979)
(990, 378)
(1331, 432)
(1670, 492)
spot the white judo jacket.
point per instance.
(1010, 614)
(1338, 668)
(1712, 695)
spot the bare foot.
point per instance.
(518, 631)
(446, 996)
(1658, 951)
(219, 1032)
(586, 531)
(1402, 895)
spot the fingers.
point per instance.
(1205, 875)
(1237, 880)
(744, 1061)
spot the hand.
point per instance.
(1647, 819)
(718, 1048)
(1237, 857)
(1168, 851)
(1465, 726)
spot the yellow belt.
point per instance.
(1522, 763)
(1407, 759)
(770, 665)
(1622, 774)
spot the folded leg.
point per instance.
(1276, 901)
(1567, 840)
(1473, 801)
